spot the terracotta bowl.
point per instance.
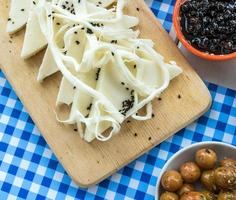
(176, 21)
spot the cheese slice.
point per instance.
(149, 73)
(111, 83)
(18, 15)
(66, 92)
(48, 66)
(34, 40)
(102, 3)
(174, 70)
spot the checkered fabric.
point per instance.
(29, 169)
(163, 10)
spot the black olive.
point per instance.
(210, 25)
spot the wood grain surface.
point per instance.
(185, 100)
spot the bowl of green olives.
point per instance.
(202, 171)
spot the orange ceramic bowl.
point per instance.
(176, 21)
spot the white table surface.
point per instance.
(219, 72)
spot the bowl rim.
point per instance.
(188, 46)
(182, 151)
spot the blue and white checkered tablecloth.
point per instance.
(29, 169)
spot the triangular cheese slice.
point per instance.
(18, 15)
(48, 66)
(34, 40)
(66, 92)
(174, 70)
(112, 84)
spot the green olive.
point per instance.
(185, 188)
(190, 172)
(227, 195)
(208, 180)
(206, 158)
(227, 162)
(225, 177)
(171, 181)
(209, 195)
(169, 196)
(193, 196)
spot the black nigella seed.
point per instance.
(179, 96)
(112, 53)
(77, 42)
(135, 134)
(114, 41)
(150, 138)
(98, 73)
(90, 106)
(128, 121)
(58, 23)
(74, 87)
(22, 9)
(122, 83)
(127, 105)
(75, 129)
(89, 31)
(137, 9)
(153, 115)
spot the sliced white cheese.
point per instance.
(76, 45)
(149, 73)
(108, 72)
(34, 40)
(90, 135)
(48, 66)
(66, 92)
(111, 83)
(18, 15)
(174, 70)
(92, 8)
(102, 3)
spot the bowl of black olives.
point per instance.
(207, 28)
(202, 171)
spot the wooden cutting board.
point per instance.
(185, 100)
